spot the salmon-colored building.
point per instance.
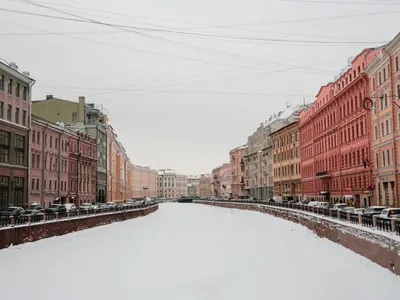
(144, 182)
(335, 139)
(384, 74)
(237, 168)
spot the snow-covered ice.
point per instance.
(190, 251)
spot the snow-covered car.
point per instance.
(313, 203)
(111, 204)
(339, 206)
(276, 199)
(389, 213)
(71, 207)
(147, 200)
(374, 210)
(86, 207)
(322, 204)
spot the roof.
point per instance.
(12, 69)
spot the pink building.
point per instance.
(144, 182)
(335, 139)
(82, 168)
(237, 168)
(49, 163)
(384, 74)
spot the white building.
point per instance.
(171, 184)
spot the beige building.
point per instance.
(171, 184)
(258, 155)
(286, 161)
(205, 186)
(219, 181)
(84, 117)
(144, 182)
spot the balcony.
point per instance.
(323, 174)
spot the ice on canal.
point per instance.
(190, 252)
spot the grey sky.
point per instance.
(192, 97)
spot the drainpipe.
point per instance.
(78, 172)
(43, 162)
(368, 122)
(29, 131)
(393, 99)
(59, 163)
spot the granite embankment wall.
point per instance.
(383, 249)
(30, 233)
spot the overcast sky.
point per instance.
(186, 81)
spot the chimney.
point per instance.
(82, 99)
(26, 73)
(50, 96)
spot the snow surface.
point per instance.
(190, 252)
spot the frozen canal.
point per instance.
(190, 252)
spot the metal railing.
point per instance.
(384, 224)
(26, 220)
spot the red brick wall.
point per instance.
(31, 233)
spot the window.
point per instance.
(373, 84)
(16, 119)
(397, 63)
(380, 78)
(18, 90)
(4, 183)
(382, 129)
(33, 184)
(381, 103)
(44, 185)
(45, 139)
(383, 159)
(10, 84)
(388, 156)
(45, 161)
(9, 109)
(4, 146)
(376, 131)
(387, 127)
(74, 116)
(386, 102)
(384, 74)
(398, 91)
(1, 82)
(19, 146)
(25, 93)
(377, 160)
(55, 185)
(33, 136)
(38, 137)
(51, 141)
(33, 160)
(18, 186)
(49, 185)
(24, 117)
(2, 109)
(38, 161)
(56, 143)
(37, 184)
(51, 164)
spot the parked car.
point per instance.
(339, 206)
(12, 211)
(31, 212)
(147, 200)
(56, 208)
(389, 213)
(71, 207)
(111, 204)
(276, 199)
(36, 206)
(313, 203)
(86, 207)
(374, 210)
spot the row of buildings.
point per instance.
(58, 151)
(343, 147)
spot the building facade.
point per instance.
(237, 170)
(82, 168)
(49, 167)
(171, 185)
(221, 181)
(205, 186)
(15, 103)
(144, 182)
(258, 155)
(85, 117)
(286, 161)
(335, 135)
(384, 93)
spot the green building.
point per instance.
(81, 116)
